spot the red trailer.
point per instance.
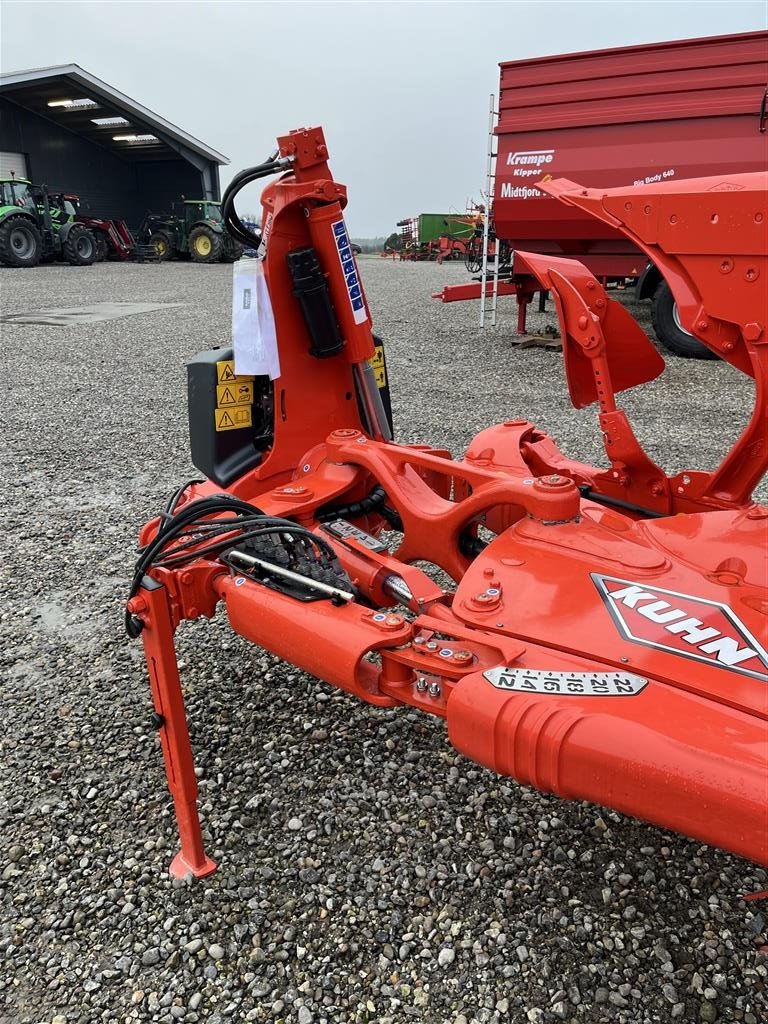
(607, 118)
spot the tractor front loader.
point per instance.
(605, 635)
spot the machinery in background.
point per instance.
(114, 239)
(34, 227)
(608, 118)
(604, 635)
(194, 228)
(436, 236)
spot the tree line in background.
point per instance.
(378, 244)
(373, 245)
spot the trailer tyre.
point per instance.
(79, 249)
(669, 330)
(21, 244)
(205, 245)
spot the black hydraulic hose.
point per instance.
(373, 502)
(471, 546)
(173, 501)
(232, 222)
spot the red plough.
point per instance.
(605, 639)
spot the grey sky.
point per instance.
(401, 89)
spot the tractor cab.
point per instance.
(15, 192)
(196, 211)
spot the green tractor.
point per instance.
(195, 228)
(33, 228)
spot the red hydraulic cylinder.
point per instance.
(329, 237)
(327, 640)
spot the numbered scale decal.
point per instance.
(567, 684)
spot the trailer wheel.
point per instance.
(79, 249)
(205, 245)
(21, 244)
(668, 329)
(473, 254)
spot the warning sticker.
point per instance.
(238, 392)
(378, 357)
(233, 417)
(225, 372)
(381, 377)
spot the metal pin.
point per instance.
(421, 684)
(434, 689)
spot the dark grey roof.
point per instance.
(36, 88)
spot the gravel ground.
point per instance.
(367, 872)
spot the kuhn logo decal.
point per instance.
(691, 627)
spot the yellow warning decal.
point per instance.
(378, 357)
(237, 392)
(381, 377)
(233, 417)
(225, 372)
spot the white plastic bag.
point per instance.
(254, 338)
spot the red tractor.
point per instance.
(604, 635)
(113, 237)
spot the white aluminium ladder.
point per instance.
(485, 305)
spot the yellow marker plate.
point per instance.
(233, 417)
(225, 372)
(378, 357)
(237, 392)
(381, 377)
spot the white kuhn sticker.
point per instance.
(566, 684)
(691, 627)
(349, 269)
(261, 252)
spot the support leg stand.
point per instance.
(160, 653)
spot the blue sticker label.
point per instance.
(349, 269)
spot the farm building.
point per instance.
(65, 128)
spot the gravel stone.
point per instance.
(357, 850)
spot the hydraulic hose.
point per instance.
(232, 222)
